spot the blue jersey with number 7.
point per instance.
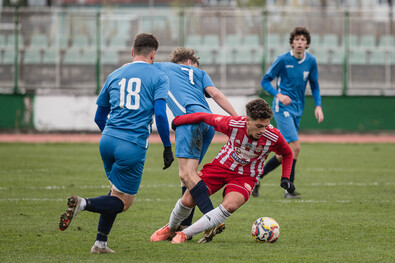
(187, 85)
(130, 91)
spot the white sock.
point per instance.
(83, 204)
(208, 221)
(101, 244)
(179, 213)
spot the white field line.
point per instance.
(172, 200)
(60, 187)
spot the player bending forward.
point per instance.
(237, 165)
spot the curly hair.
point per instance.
(145, 43)
(299, 31)
(182, 55)
(259, 109)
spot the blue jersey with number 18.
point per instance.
(130, 91)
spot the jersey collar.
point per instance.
(299, 61)
(139, 61)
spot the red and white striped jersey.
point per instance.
(242, 154)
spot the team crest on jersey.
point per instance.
(248, 145)
(259, 149)
(219, 118)
(305, 75)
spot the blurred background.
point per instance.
(55, 55)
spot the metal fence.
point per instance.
(72, 50)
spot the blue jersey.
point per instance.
(130, 91)
(292, 76)
(187, 86)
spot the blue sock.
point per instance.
(105, 204)
(105, 224)
(272, 164)
(292, 178)
(187, 221)
(200, 195)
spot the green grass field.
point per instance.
(347, 213)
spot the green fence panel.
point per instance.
(16, 112)
(349, 114)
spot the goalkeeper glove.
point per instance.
(173, 126)
(287, 185)
(167, 157)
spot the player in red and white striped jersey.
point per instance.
(237, 165)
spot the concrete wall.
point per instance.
(76, 113)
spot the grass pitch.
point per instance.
(347, 213)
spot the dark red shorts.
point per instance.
(216, 176)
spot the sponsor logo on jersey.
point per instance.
(238, 159)
(289, 66)
(305, 75)
(241, 156)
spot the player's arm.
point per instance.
(315, 91)
(219, 122)
(282, 148)
(101, 116)
(271, 74)
(162, 124)
(221, 100)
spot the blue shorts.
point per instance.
(123, 162)
(193, 140)
(288, 124)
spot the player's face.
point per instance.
(299, 44)
(255, 128)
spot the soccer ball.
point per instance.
(265, 229)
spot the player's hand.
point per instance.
(287, 185)
(319, 115)
(173, 125)
(168, 158)
(284, 99)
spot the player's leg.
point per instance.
(181, 210)
(236, 193)
(208, 137)
(294, 144)
(236, 185)
(106, 222)
(270, 165)
(285, 123)
(215, 217)
(189, 142)
(295, 147)
(125, 176)
(123, 162)
(107, 204)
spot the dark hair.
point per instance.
(259, 109)
(144, 44)
(182, 54)
(299, 31)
